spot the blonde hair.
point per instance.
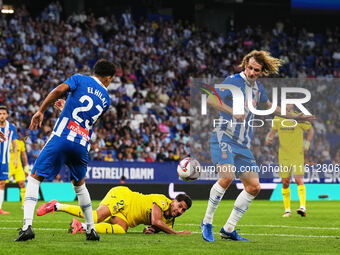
(269, 64)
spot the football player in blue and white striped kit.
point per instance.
(230, 143)
(68, 144)
(8, 136)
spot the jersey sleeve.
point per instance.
(263, 96)
(73, 81)
(223, 93)
(305, 126)
(21, 146)
(108, 105)
(163, 202)
(231, 80)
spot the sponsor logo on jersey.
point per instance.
(78, 129)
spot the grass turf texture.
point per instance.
(263, 225)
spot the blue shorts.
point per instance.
(4, 172)
(59, 151)
(228, 151)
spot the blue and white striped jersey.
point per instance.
(5, 146)
(241, 132)
(87, 101)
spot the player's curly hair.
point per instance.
(269, 64)
(185, 198)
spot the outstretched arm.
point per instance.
(38, 117)
(291, 115)
(156, 220)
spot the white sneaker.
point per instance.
(287, 214)
(301, 212)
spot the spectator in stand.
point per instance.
(99, 156)
(108, 157)
(170, 158)
(149, 158)
(34, 152)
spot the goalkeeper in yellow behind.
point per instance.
(291, 157)
(122, 208)
(20, 172)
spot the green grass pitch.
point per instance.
(263, 225)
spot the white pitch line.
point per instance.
(271, 226)
(286, 235)
(245, 234)
(39, 221)
(189, 224)
(285, 226)
(47, 229)
(289, 235)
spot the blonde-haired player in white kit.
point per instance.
(230, 144)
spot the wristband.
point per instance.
(307, 145)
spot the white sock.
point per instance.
(57, 206)
(31, 199)
(2, 192)
(84, 201)
(83, 225)
(241, 205)
(216, 194)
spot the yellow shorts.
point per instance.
(287, 167)
(17, 173)
(118, 200)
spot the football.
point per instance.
(188, 169)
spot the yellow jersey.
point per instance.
(141, 207)
(291, 139)
(135, 208)
(20, 149)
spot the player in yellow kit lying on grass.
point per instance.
(122, 208)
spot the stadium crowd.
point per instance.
(156, 61)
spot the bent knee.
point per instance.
(225, 182)
(21, 185)
(118, 229)
(254, 189)
(285, 182)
